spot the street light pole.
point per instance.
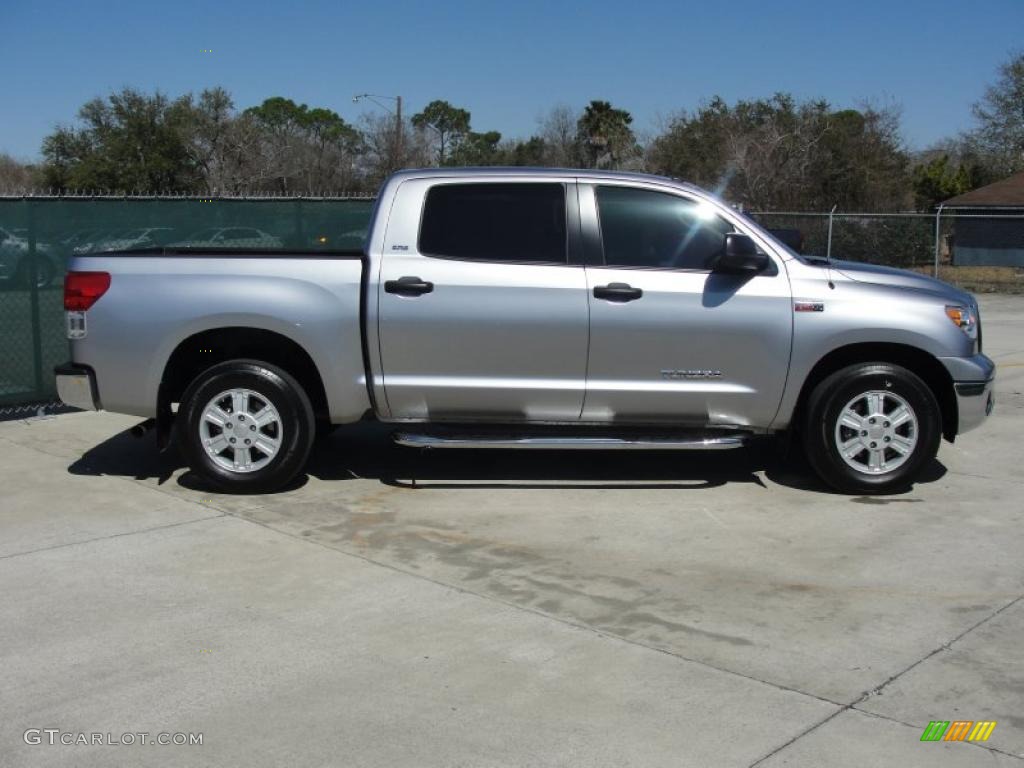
(398, 119)
(398, 129)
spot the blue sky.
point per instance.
(506, 62)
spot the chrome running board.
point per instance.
(695, 443)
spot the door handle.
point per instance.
(408, 286)
(618, 292)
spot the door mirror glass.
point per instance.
(741, 255)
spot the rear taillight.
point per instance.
(82, 289)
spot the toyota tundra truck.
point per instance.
(524, 309)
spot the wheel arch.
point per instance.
(918, 361)
(204, 349)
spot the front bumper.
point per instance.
(974, 384)
(76, 386)
(974, 401)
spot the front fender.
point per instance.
(858, 313)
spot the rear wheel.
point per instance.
(245, 426)
(871, 428)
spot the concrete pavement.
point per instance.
(503, 609)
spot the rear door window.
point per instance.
(513, 223)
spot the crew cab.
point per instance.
(529, 309)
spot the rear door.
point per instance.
(671, 340)
(481, 316)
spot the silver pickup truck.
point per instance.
(526, 308)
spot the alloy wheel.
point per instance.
(876, 432)
(241, 430)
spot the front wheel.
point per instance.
(245, 426)
(871, 428)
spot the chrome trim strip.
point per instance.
(411, 440)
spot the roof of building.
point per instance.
(1007, 193)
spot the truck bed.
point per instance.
(159, 298)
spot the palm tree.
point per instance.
(604, 135)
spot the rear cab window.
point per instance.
(516, 223)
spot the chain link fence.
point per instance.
(38, 234)
(979, 251)
(899, 240)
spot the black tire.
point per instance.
(825, 406)
(271, 385)
(324, 429)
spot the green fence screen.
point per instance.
(39, 234)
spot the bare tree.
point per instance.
(770, 155)
(15, 176)
(1000, 116)
(558, 131)
(221, 143)
(380, 142)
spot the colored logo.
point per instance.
(958, 730)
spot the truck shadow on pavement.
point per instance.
(365, 451)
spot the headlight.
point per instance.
(963, 318)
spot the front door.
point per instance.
(672, 341)
(481, 317)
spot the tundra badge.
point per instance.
(690, 374)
